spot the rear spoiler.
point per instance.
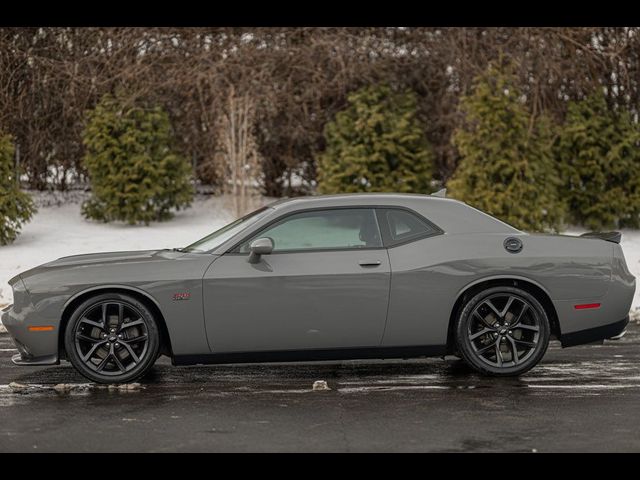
(614, 237)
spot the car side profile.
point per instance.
(357, 276)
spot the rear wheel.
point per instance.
(112, 338)
(502, 331)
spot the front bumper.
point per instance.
(19, 359)
(595, 334)
(35, 348)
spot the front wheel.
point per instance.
(112, 338)
(502, 331)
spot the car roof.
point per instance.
(452, 216)
(355, 199)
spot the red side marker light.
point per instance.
(585, 306)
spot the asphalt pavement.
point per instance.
(579, 399)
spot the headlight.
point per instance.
(20, 294)
(17, 285)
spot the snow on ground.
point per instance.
(631, 248)
(58, 229)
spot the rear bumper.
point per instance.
(595, 334)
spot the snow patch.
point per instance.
(320, 385)
(24, 388)
(58, 230)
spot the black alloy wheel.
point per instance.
(502, 331)
(112, 338)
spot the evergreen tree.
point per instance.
(136, 176)
(599, 150)
(506, 166)
(16, 207)
(376, 144)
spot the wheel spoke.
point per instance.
(499, 359)
(104, 362)
(92, 323)
(514, 351)
(134, 339)
(104, 317)
(484, 331)
(91, 351)
(524, 326)
(526, 344)
(483, 320)
(87, 338)
(119, 364)
(120, 315)
(524, 309)
(486, 347)
(505, 310)
(131, 352)
(490, 304)
(132, 324)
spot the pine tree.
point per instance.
(506, 167)
(599, 150)
(376, 144)
(16, 207)
(136, 175)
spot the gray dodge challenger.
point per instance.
(360, 276)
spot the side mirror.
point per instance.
(260, 246)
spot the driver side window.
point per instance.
(355, 228)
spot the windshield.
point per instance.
(220, 236)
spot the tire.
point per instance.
(497, 335)
(118, 351)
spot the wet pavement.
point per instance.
(579, 399)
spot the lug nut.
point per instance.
(120, 336)
(108, 344)
(117, 344)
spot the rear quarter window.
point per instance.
(404, 226)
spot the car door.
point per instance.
(420, 298)
(325, 285)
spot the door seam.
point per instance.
(386, 318)
(204, 313)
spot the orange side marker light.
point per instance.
(41, 328)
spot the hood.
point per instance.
(106, 259)
(111, 257)
(68, 275)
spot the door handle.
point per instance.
(369, 263)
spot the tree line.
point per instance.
(545, 116)
(296, 79)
